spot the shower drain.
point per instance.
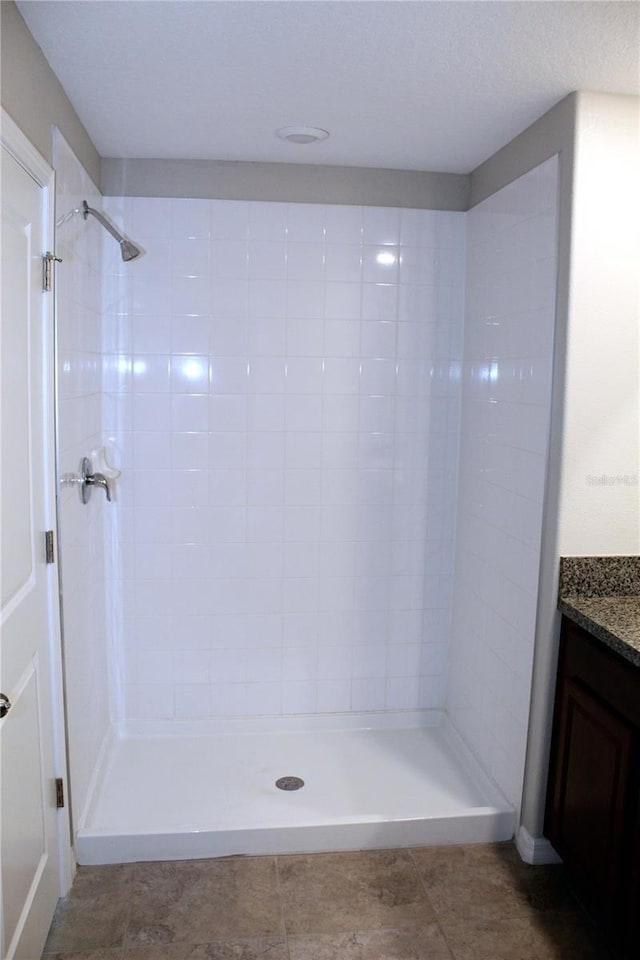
(289, 783)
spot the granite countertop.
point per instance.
(602, 594)
(614, 620)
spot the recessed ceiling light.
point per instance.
(302, 134)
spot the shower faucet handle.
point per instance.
(99, 480)
(88, 480)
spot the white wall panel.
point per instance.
(82, 542)
(506, 396)
(282, 391)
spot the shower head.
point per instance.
(128, 250)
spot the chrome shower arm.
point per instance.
(86, 210)
(128, 250)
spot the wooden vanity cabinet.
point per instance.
(633, 900)
(593, 800)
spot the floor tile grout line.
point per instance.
(126, 930)
(411, 851)
(131, 874)
(436, 916)
(131, 885)
(285, 932)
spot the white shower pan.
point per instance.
(180, 790)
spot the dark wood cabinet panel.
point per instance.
(586, 824)
(614, 680)
(593, 800)
(633, 895)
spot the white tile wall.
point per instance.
(281, 392)
(81, 535)
(506, 395)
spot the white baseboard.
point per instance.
(535, 850)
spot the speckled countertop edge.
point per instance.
(602, 595)
(614, 620)
(599, 577)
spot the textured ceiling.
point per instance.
(431, 85)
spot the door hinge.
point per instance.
(59, 793)
(47, 270)
(49, 548)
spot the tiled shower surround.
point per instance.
(81, 528)
(504, 430)
(281, 392)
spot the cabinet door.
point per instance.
(633, 899)
(590, 786)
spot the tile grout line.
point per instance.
(436, 916)
(281, 902)
(130, 887)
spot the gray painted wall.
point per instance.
(302, 183)
(33, 96)
(552, 133)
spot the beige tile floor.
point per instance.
(477, 902)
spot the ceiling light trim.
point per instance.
(302, 134)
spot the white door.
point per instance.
(28, 839)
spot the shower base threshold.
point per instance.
(186, 790)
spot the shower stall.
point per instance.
(321, 557)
